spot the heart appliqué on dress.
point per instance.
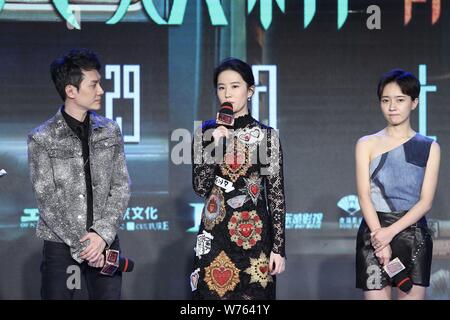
(254, 189)
(263, 269)
(234, 162)
(250, 136)
(245, 137)
(222, 275)
(246, 229)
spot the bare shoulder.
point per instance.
(435, 146)
(435, 149)
(367, 142)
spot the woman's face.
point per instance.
(395, 105)
(232, 88)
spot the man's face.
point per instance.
(89, 95)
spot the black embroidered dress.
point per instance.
(243, 219)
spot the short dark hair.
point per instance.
(407, 82)
(67, 70)
(236, 65)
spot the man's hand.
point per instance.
(94, 249)
(99, 263)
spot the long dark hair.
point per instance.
(236, 65)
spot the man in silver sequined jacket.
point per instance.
(81, 182)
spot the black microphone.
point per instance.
(225, 115)
(114, 262)
(398, 274)
(126, 264)
(402, 281)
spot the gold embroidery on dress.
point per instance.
(222, 275)
(259, 270)
(236, 160)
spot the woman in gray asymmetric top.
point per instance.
(396, 179)
(396, 176)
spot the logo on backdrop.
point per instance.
(143, 219)
(134, 219)
(161, 15)
(304, 220)
(350, 208)
(29, 218)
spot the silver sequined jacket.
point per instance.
(56, 167)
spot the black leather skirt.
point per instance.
(413, 246)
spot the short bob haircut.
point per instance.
(407, 82)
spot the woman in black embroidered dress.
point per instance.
(241, 242)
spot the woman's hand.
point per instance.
(218, 133)
(381, 238)
(384, 256)
(276, 263)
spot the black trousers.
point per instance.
(61, 275)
